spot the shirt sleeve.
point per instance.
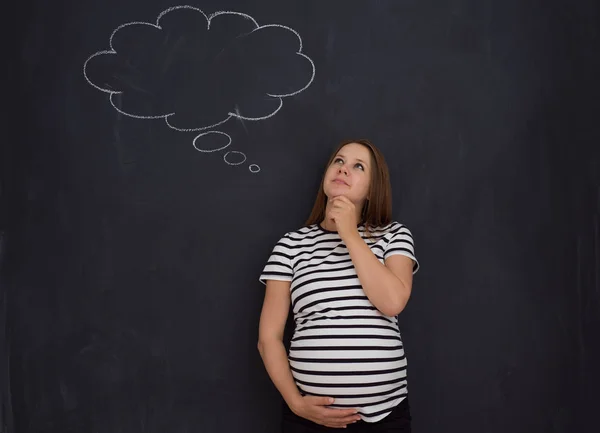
(401, 242)
(279, 265)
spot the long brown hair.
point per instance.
(377, 209)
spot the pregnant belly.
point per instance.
(360, 370)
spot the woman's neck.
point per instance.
(328, 225)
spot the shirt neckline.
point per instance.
(334, 232)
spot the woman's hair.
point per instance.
(377, 209)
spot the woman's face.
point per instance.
(349, 174)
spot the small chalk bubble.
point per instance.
(211, 141)
(254, 168)
(234, 154)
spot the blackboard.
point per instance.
(144, 187)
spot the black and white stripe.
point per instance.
(342, 346)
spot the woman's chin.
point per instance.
(337, 190)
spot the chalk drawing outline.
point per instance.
(209, 18)
(211, 150)
(235, 163)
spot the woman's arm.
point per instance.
(270, 340)
(388, 286)
(270, 345)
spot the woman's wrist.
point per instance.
(295, 402)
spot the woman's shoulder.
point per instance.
(391, 228)
(301, 233)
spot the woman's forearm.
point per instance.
(276, 363)
(388, 293)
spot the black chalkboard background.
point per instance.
(130, 260)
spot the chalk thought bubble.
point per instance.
(198, 71)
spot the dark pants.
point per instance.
(398, 421)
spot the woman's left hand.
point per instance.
(343, 213)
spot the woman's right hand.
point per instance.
(313, 408)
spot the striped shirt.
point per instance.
(342, 347)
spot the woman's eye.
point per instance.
(360, 166)
(339, 160)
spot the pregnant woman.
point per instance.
(346, 274)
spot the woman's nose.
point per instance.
(343, 169)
